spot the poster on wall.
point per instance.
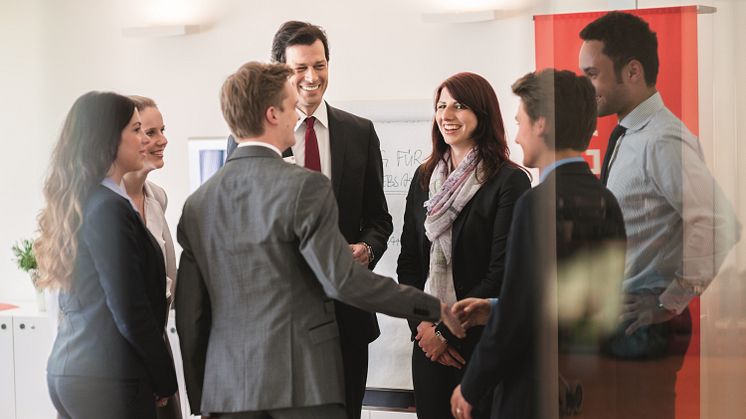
(206, 155)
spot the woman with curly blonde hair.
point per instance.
(109, 358)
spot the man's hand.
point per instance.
(451, 358)
(643, 310)
(360, 253)
(472, 311)
(430, 344)
(451, 322)
(460, 408)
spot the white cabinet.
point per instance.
(7, 372)
(26, 338)
(32, 342)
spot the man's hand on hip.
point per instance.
(643, 310)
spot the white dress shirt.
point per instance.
(261, 144)
(321, 126)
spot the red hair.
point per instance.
(478, 95)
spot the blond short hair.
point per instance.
(248, 93)
(142, 102)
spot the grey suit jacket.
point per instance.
(262, 259)
(357, 182)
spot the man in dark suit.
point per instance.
(564, 264)
(262, 258)
(346, 149)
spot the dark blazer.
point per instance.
(357, 182)
(480, 233)
(573, 206)
(115, 311)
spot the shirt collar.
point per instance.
(320, 114)
(550, 168)
(119, 190)
(261, 144)
(640, 116)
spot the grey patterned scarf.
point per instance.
(448, 195)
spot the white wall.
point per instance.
(26, 149)
(379, 50)
(54, 51)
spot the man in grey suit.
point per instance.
(262, 259)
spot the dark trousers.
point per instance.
(96, 398)
(355, 367)
(172, 410)
(324, 411)
(434, 384)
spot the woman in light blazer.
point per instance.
(109, 359)
(456, 223)
(151, 201)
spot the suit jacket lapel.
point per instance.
(337, 147)
(148, 234)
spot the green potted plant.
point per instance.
(26, 261)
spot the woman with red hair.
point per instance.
(456, 223)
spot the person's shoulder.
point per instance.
(104, 206)
(514, 174)
(526, 204)
(305, 187)
(414, 182)
(158, 193)
(344, 117)
(292, 176)
(609, 199)
(665, 126)
(308, 176)
(103, 197)
(509, 176)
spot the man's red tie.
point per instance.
(313, 162)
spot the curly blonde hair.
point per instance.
(84, 153)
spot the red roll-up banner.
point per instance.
(558, 45)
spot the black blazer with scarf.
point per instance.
(479, 236)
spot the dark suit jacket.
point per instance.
(479, 236)
(572, 206)
(357, 182)
(114, 314)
